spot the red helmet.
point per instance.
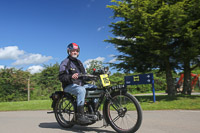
(72, 46)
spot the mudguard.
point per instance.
(59, 94)
(55, 96)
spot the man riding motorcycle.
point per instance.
(70, 68)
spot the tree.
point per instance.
(12, 84)
(149, 34)
(189, 41)
(48, 80)
(94, 64)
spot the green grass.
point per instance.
(163, 102)
(26, 105)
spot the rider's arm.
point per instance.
(64, 75)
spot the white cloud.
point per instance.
(35, 69)
(32, 59)
(87, 62)
(100, 28)
(1, 67)
(21, 57)
(123, 38)
(10, 52)
(100, 59)
(113, 60)
(107, 46)
(111, 55)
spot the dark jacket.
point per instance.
(68, 67)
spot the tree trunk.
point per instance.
(187, 79)
(170, 81)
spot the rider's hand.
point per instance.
(75, 76)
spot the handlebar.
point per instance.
(87, 75)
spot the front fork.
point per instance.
(115, 104)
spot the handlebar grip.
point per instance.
(87, 75)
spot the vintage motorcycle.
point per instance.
(121, 110)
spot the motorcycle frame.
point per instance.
(105, 95)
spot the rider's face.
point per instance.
(74, 53)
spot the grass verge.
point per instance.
(163, 102)
(26, 105)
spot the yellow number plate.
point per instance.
(105, 80)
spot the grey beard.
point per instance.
(75, 56)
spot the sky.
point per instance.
(34, 33)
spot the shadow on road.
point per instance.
(76, 128)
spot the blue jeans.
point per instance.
(78, 91)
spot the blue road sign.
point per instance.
(141, 79)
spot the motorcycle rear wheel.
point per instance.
(123, 113)
(64, 112)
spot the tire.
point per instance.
(123, 113)
(64, 112)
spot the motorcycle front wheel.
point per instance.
(123, 113)
(64, 112)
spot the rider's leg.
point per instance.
(89, 86)
(79, 91)
(95, 101)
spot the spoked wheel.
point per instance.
(64, 112)
(123, 113)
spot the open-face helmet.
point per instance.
(72, 46)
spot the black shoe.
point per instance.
(82, 119)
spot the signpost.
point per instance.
(141, 79)
(28, 88)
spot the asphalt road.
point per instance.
(177, 121)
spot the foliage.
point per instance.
(13, 83)
(156, 34)
(197, 72)
(159, 82)
(46, 82)
(94, 64)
